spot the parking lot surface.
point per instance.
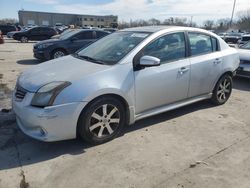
(199, 145)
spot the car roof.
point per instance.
(154, 29)
(150, 29)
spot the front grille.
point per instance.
(20, 92)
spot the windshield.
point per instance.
(246, 46)
(112, 48)
(68, 34)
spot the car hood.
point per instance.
(67, 68)
(244, 54)
(47, 41)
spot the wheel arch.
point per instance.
(114, 95)
(58, 48)
(227, 72)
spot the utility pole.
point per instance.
(231, 21)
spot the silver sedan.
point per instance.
(126, 76)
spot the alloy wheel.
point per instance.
(58, 54)
(24, 39)
(104, 121)
(224, 90)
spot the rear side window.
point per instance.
(200, 44)
(168, 48)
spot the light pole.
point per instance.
(231, 21)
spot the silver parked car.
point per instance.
(244, 68)
(123, 77)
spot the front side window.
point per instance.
(86, 35)
(168, 48)
(35, 31)
(112, 48)
(200, 44)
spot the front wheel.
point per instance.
(222, 90)
(24, 39)
(102, 121)
(58, 53)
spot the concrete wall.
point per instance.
(46, 18)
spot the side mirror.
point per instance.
(149, 61)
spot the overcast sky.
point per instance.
(129, 9)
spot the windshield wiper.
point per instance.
(89, 58)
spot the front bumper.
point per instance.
(48, 124)
(243, 70)
(41, 54)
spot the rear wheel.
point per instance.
(24, 39)
(102, 121)
(222, 90)
(58, 53)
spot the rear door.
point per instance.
(206, 63)
(81, 40)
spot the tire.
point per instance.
(24, 39)
(58, 53)
(102, 120)
(222, 90)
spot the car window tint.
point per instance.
(35, 31)
(245, 38)
(167, 48)
(215, 44)
(86, 35)
(200, 44)
(246, 46)
(100, 34)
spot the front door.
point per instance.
(167, 83)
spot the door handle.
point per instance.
(217, 61)
(183, 70)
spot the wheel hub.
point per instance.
(104, 120)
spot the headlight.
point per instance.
(42, 46)
(46, 95)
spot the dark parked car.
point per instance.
(232, 37)
(7, 28)
(35, 34)
(10, 34)
(67, 43)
